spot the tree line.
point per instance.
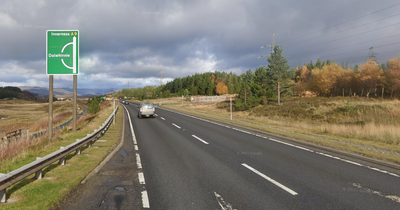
(276, 79)
(370, 79)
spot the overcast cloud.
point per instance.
(133, 41)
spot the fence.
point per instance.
(15, 135)
(7, 180)
(209, 99)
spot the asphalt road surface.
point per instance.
(189, 163)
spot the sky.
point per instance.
(130, 44)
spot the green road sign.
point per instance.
(62, 52)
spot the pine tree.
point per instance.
(318, 64)
(278, 70)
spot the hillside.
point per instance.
(66, 91)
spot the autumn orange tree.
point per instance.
(221, 87)
(370, 75)
(392, 75)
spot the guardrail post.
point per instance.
(3, 196)
(62, 161)
(89, 144)
(78, 151)
(39, 174)
(5, 138)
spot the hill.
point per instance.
(82, 92)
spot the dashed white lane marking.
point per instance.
(222, 203)
(138, 162)
(145, 199)
(200, 139)
(136, 147)
(141, 178)
(291, 145)
(162, 118)
(270, 179)
(176, 125)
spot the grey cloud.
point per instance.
(122, 40)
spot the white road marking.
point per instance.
(141, 178)
(352, 162)
(176, 125)
(291, 145)
(200, 139)
(377, 169)
(145, 196)
(145, 199)
(224, 205)
(162, 118)
(138, 162)
(270, 179)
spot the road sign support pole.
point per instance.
(230, 99)
(51, 79)
(75, 101)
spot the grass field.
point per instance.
(59, 180)
(19, 114)
(371, 124)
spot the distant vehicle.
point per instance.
(123, 101)
(146, 109)
(127, 102)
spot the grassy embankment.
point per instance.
(369, 127)
(24, 114)
(58, 180)
(20, 114)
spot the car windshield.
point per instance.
(147, 105)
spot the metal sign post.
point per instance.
(231, 106)
(74, 98)
(51, 80)
(62, 58)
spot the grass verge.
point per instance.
(59, 180)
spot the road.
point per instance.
(193, 164)
(178, 162)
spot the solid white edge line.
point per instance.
(288, 144)
(200, 139)
(176, 125)
(130, 124)
(141, 178)
(136, 147)
(138, 162)
(270, 179)
(145, 199)
(162, 118)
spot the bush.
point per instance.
(94, 106)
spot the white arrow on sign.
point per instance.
(73, 55)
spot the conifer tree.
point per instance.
(278, 73)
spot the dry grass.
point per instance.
(28, 115)
(12, 148)
(47, 193)
(366, 122)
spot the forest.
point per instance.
(10, 92)
(254, 87)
